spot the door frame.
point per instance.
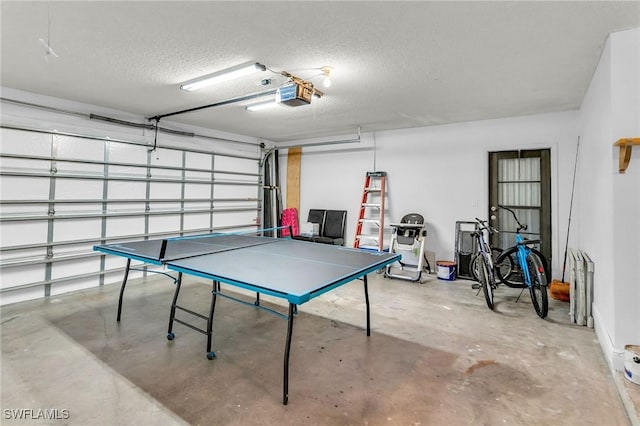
(546, 176)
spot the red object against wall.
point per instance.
(290, 218)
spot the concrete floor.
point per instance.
(436, 356)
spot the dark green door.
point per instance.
(521, 180)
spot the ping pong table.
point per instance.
(296, 271)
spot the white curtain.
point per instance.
(519, 188)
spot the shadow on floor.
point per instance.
(337, 376)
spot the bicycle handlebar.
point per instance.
(485, 225)
(521, 227)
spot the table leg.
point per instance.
(124, 283)
(170, 334)
(287, 349)
(214, 296)
(366, 299)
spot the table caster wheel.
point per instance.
(171, 336)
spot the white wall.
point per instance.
(609, 207)
(440, 172)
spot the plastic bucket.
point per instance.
(446, 270)
(632, 363)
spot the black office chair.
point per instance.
(334, 224)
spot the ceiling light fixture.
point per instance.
(327, 76)
(223, 75)
(261, 105)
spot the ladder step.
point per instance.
(371, 205)
(376, 221)
(366, 237)
(376, 174)
(373, 189)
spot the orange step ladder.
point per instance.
(370, 227)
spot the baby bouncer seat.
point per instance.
(408, 239)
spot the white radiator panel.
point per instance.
(581, 287)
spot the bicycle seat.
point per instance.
(527, 242)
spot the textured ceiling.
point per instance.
(396, 64)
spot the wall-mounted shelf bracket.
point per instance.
(625, 145)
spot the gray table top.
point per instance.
(291, 269)
(295, 270)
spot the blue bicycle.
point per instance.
(529, 269)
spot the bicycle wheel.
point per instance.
(507, 268)
(473, 268)
(502, 267)
(538, 288)
(485, 280)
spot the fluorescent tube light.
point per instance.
(261, 105)
(223, 75)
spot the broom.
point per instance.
(560, 289)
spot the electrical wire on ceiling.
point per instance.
(47, 44)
